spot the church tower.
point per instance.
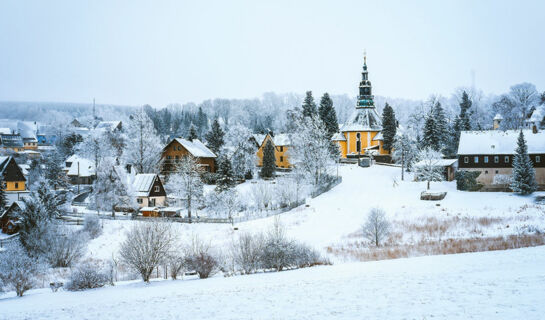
(361, 134)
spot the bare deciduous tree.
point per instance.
(18, 270)
(246, 251)
(376, 228)
(429, 168)
(146, 246)
(186, 183)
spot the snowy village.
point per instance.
(319, 203)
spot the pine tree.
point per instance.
(309, 107)
(202, 122)
(192, 133)
(430, 138)
(225, 174)
(389, 127)
(524, 179)
(328, 115)
(3, 200)
(466, 103)
(54, 172)
(214, 137)
(441, 125)
(269, 162)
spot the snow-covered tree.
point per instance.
(192, 133)
(53, 172)
(328, 115)
(429, 168)
(376, 227)
(309, 106)
(269, 161)
(524, 176)
(94, 147)
(225, 179)
(214, 137)
(147, 244)
(18, 271)
(310, 150)
(240, 150)
(186, 182)
(389, 127)
(405, 152)
(3, 199)
(515, 107)
(143, 146)
(109, 191)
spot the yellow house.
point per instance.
(361, 135)
(281, 144)
(14, 180)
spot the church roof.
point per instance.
(338, 137)
(363, 119)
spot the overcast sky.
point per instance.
(160, 52)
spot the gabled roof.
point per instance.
(11, 140)
(259, 138)
(378, 137)
(143, 182)
(196, 148)
(338, 137)
(363, 119)
(282, 139)
(108, 125)
(499, 142)
(86, 167)
(15, 174)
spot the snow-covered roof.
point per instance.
(196, 148)
(498, 117)
(538, 115)
(259, 138)
(5, 130)
(438, 162)
(27, 129)
(499, 142)
(338, 137)
(378, 137)
(281, 139)
(171, 209)
(86, 167)
(363, 119)
(108, 125)
(142, 183)
(46, 148)
(149, 209)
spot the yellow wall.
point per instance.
(279, 152)
(10, 186)
(366, 138)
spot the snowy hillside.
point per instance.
(491, 285)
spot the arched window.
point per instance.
(358, 142)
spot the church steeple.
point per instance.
(365, 98)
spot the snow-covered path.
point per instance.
(488, 285)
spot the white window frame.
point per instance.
(466, 159)
(157, 189)
(506, 159)
(496, 159)
(476, 159)
(538, 159)
(485, 159)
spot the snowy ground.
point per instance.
(488, 285)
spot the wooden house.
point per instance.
(281, 143)
(178, 148)
(12, 142)
(14, 178)
(146, 187)
(9, 219)
(80, 170)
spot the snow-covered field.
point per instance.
(488, 285)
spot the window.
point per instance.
(179, 148)
(538, 159)
(497, 171)
(506, 159)
(16, 185)
(139, 200)
(485, 171)
(174, 148)
(358, 135)
(157, 189)
(476, 160)
(485, 159)
(466, 159)
(281, 159)
(169, 157)
(496, 159)
(281, 150)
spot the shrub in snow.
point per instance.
(87, 276)
(210, 178)
(147, 244)
(278, 251)
(91, 225)
(429, 169)
(261, 195)
(64, 247)
(17, 270)
(305, 256)
(467, 180)
(376, 228)
(200, 259)
(246, 252)
(176, 264)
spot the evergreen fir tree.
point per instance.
(202, 122)
(309, 107)
(269, 162)
(192, 133)
(328, 115)
(54, 172)
(524, 179)
(430, 138)
(389, 127)
(3, 200)
(225, 174)
(441, 125)
(214, 137)
(466, 103)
